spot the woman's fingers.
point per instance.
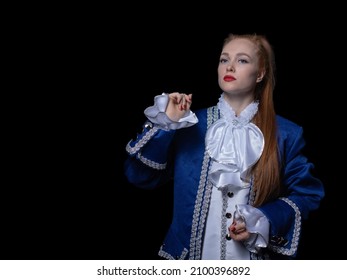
(188, 100)
(238, 231)
(182, 100)
(179, 104)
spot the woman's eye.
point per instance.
(223, 60)
(242, 61)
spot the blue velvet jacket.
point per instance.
(157, 156)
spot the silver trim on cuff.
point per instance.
(139, 145)
(296, 235)
(150, 163)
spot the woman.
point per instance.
(241, 183)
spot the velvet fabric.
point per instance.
(183, 153)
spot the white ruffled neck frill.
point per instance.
(234, 144)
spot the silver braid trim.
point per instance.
(150, 163)
(296, 235)
(224, 231)
(202, 199)
(168, 256)
(139, 145)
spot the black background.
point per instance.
(90, 78)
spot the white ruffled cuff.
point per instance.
(257, 224)
(156, 114)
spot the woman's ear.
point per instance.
(260, 76)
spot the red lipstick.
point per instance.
(229, 78)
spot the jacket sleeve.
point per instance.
(147, 163)
(303, 193)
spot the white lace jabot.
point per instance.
(234, 144)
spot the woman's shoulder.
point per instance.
(288, 128)
(286, 123)
(203, 111)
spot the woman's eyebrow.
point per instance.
(238, 54)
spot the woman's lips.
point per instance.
(229, 78)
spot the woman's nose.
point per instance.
(230, 67)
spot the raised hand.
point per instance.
(179, 104)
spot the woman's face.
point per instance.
(238, 70)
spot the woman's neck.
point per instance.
(238, 103)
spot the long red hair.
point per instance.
(267, 170)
